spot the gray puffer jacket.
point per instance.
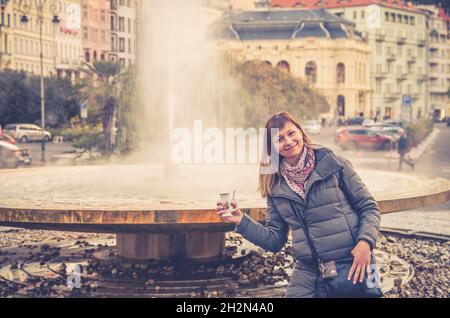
(338, 209)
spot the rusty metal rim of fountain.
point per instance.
(129, 221)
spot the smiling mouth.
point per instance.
(291, 147)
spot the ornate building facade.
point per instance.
(409, 45)
(314, 45)
(96, 39)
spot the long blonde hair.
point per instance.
(277, 121)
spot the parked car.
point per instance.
(27, 132)
(393, 122)
(11, 156)
(312, 127)
(368, 122)
(378, 126)
(393, 131)
(355, 121)
(364, 138)
(7, 138)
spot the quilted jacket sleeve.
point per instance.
(270, 237)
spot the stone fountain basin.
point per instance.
(140, 199)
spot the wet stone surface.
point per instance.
(44, 264)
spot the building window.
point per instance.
(85, 12)
(378, 87)
(340, 73)
(122, 44)
(103, 15)
(379, 49)
(387, 113)
(121, 24)
(311, 72)
(284, 66)
(386, 16)
(378, 68)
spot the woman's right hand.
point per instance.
(236, 217)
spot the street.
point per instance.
(51, 150)
(434, 162)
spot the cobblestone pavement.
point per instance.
(36, 264)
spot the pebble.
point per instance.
(429, 259)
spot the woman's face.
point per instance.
(289, 141)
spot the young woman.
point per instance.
(341, 216)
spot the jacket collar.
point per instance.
(326, 165)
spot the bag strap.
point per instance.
(305, 230)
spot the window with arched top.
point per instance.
(284, 66)
(340, 73)
(267, 63)
(311, 72)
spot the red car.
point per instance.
(7, 138)
(363, 138)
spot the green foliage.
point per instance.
(89, 141)
(104, 93)
(129, 117)
(20, 99)
(106, 69)
(267, 90)
(418, 131)
(74, 133)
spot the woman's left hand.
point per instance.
(361, 261)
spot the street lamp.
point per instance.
(25, 6)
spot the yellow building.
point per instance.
(5, 34)
(314, 45)
(61, 41)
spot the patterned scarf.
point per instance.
(296, 176)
